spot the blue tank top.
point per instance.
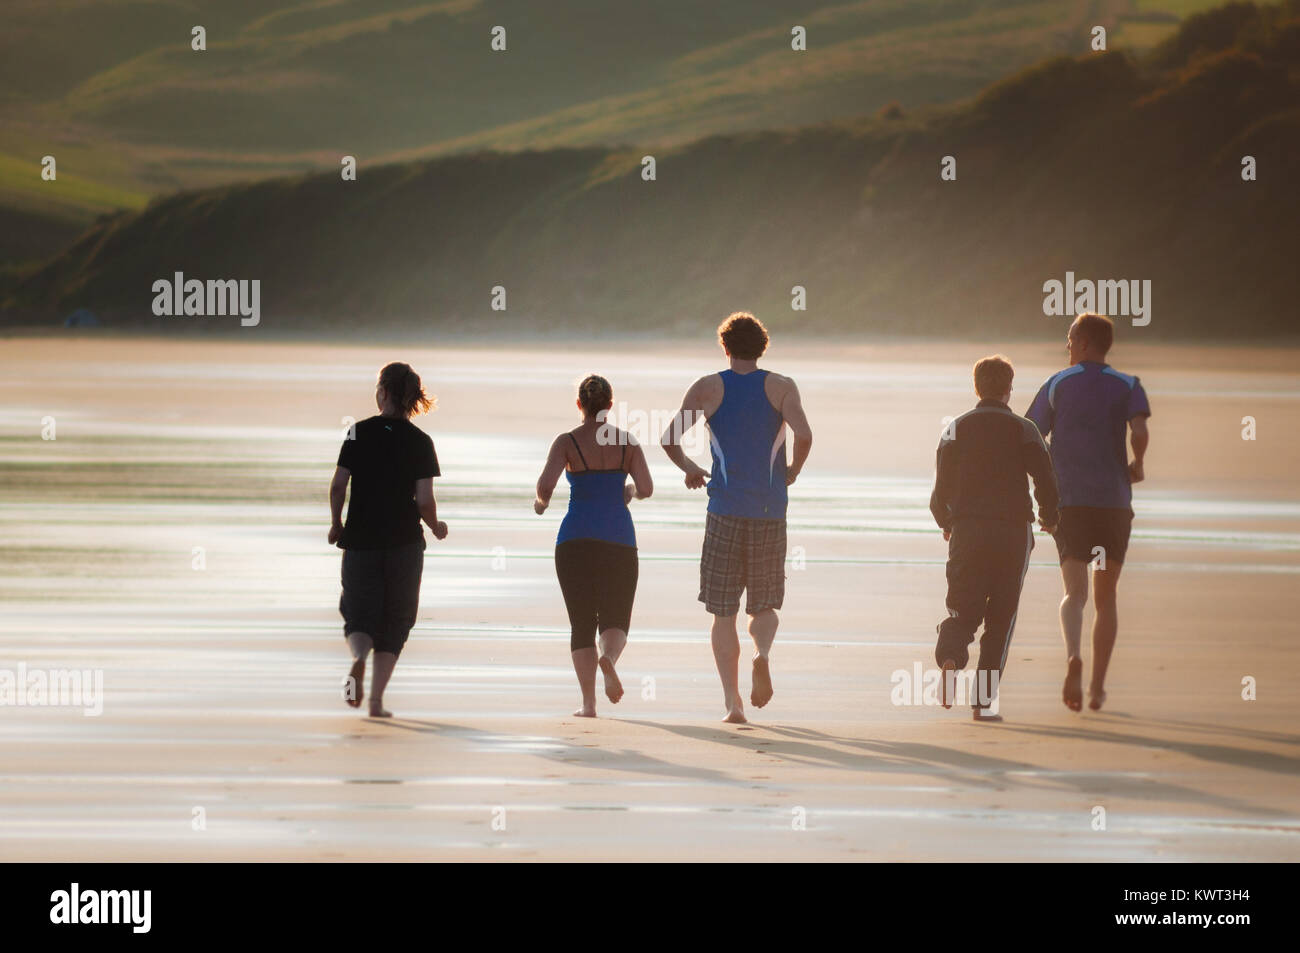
(747, 437)
(596, 507)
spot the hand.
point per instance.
(1048, 528)
(1135, 472)
(336, 530)
(539, 507)
(947, 535)
(790, 476)
(696, 477)
(629, 491)
(440, 530)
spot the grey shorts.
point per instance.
(742, 554)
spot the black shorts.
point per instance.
(742, 553)
(598, 579)
(381, 593)
(1082, 529)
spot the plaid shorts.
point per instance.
(742, 553)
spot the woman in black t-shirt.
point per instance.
(391, 464)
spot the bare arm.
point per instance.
(792, 411)
(338, 494)
(688, 416)
(639, 470)
(555, 461)
(428, 507)
(1139, 438)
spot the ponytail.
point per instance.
(404, 388)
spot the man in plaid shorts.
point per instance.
(746, 410)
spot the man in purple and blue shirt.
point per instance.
(1087, 410)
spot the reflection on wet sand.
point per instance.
(221, 672)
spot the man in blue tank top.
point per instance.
(746, 410)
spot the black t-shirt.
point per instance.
(385, 459)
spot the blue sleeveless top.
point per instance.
(747, 438)
(596, 507)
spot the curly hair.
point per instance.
(743, 336)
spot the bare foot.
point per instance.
(736, 717)
(353, 693)
(586, 711)
(761, 693)
(1072, 693)
(380, 712)
(1096, 698)
(947, 682)
(613, 687)
(982, 715)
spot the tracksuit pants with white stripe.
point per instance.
(987, 560)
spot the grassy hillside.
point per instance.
(290, 86)
(1100, 164)
(113, 90)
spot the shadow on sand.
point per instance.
(958, 768)
(965, 769)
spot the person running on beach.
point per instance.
(1087, 409)
(981, 502)
(746, 411)
(391, 464)
(595, 550)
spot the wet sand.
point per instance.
(221, 683)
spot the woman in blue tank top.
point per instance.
(595, 550)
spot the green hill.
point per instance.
(1107, 166)
(287, 87)
(114, 91)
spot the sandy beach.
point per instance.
(172, 536)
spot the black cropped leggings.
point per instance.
(381, 593)
(598, 580)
